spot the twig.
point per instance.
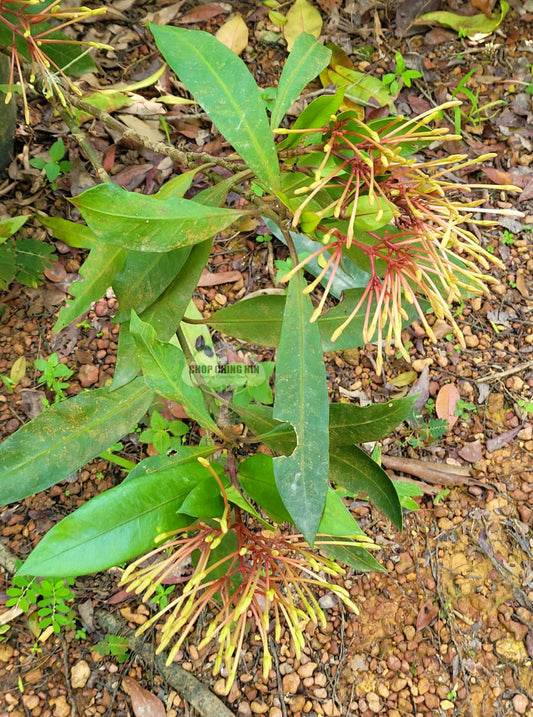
(507, 372)
(274, 652)
(78, 134)
(430, 472)
(73, 710)
(188, 686)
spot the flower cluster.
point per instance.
(411, 226)
(265, 578)
(23, 24)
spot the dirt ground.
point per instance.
(448, 630)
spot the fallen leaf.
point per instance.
(404, 379)
(521, 283)
(32, 402)
(9, 615)
(486, 6)
(234, 34)
(446, 403)
(493, 444)
(420, 389)
(144, 703)
(201, 14)
(472, 452)
(473, 27)
(302, 17)
(407, 11)
(222, 277)
(427, 613)
(18, 370)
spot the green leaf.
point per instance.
(316, 114)
(98, 271)
(204, 501)
(353, 469)
(307, 59)
(372, 215)
(144, 223)
(471, 26)
(8, 227)
(278, 435)
(302, 16)
(128, 365)
(67, 435)
(143, 278)
(156, 464)
(57, 150)
(225, 89)
(166, 371)
(117, 525)
(354, 556)
(72, 233)
(256, 476)
(31, 257)
(302, 400)
(349, 424)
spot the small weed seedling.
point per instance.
(51, 596)
(164, 435)
(53, 372)
(56, 165)
(400, 77)
(475, 116)
(464, 409)
(508, 238)
(113, 645)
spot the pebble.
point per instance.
(446, 705)
(88, 375)
(259, 708)
(307, 669)
(290, 683)
(79, 674)
(373, 702)
(55, 272)
(520, 704)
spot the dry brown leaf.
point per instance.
(201, 14)
(234, 34)
(144, 703)
(222, 277)
(446, 403)
(486, 6)
(427, 613)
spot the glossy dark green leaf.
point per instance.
(166, 313)
(302, 400)
(128, 365)
(354, 556)
(204, 501)
(159, 463)
(353, 469)
(315, 115)
(278, 435)
(98, 271)
(349, 424)
(221, 83)
(144, 277)
(144, 223)
(67, 435)
(306, 61)
(166, 371)
(117, 525)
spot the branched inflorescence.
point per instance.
(370, 199)
(26, 26)
(259, 579)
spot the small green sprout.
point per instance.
(56, 165)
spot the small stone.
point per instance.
(423, 685)
(290, 683)
(101, 308)
(61, 706)
(221, 299)
(244, 710)
(398, 683)
(307, 669)
(373, 702)
(512, 650)
(328, 601)
(6, 652)
(30, 701)
(275, 712)
(79, 674)
(446, 705)
(431, 701)
(88, 375)
(520, 703)
(259, 708)
(471, 341)
(219, 688)
(409, 632)
(405, 563)
(56, 272)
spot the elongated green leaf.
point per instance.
(353, 469)
(166, 313)
(98, 271)
(67, 435)
(128, 365)
(258, 320)
(143, 279)
(315, 115)
(117, 525)
(145, 223)
(72, 233)
(349, 424)
(159, 463)
(225, 89)
(306, 61)
(354, 556)
(278, 435)
(166, 372)
(10, 226)
(302, 400)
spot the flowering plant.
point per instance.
(380, 227)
